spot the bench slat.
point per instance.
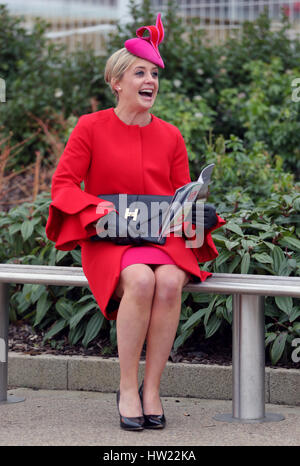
(268, 285)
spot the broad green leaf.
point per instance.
(80, 314)
(181, 338)
(285, 303)
(201, 298)
(186, 312)
(278, 258)
(76, 256)
(271, 246)
(52, 257)
(4, 221)
(235, 228)
(93, 327)
(184, 296)
(245, 264)
(263, 258)
(26, 229)
(233, 264)
(218, 238)
(85, 298)
(36, 292)
(296, 327)
(212, 325)
(231, 244)
(295, 313)
(292, 243)
(76, 333)
(222, 257)
(285, 269)
(278, 347)
(269, 337)
(296, 204)
(43, 305)
(248, 244)
(256, 226)
(113, 334)
(64, 308)
(229, 303)
(56, 328)
(60, 255)
(268, 234)
(14, 228)
(224, 312)
(194, 319)
(209, 309)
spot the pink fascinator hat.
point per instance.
(147, 47)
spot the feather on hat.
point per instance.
(147, 47)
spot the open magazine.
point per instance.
(180, 208)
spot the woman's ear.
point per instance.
(115, 85)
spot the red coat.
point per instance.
(112, 157)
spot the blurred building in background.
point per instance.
(219, 18)
(81, 22)
(76, 23)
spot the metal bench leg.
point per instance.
(4, 398)
(248, 362)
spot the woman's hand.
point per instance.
(204, 215)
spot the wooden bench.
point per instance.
(248, 351)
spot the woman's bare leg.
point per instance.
(169, 281)
(136, 286)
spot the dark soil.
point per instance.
(215, 350)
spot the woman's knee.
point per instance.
(169, 283)
(139, 281)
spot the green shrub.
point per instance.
(244, 84)
(44, 82)
(54, 309)
(264, 110)
(192, 116)
(243, 173)
(261, 205)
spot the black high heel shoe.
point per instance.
(152, 421)
(130, 423)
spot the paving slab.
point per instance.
(84, 418)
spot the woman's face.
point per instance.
(139, 86)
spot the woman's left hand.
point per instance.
(204, 215)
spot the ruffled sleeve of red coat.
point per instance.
(180, 176)
(72, 211)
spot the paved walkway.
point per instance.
(58, 417)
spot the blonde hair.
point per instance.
(116, 66)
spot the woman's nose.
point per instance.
(149, 77)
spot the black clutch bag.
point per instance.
(138, 219)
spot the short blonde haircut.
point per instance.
(116, 66)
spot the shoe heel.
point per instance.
(152, 421)
(130, 423)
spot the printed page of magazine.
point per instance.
(182, 202)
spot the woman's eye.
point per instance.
(141, 73)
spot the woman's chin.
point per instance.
(146, 103)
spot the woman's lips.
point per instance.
(146, 94)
